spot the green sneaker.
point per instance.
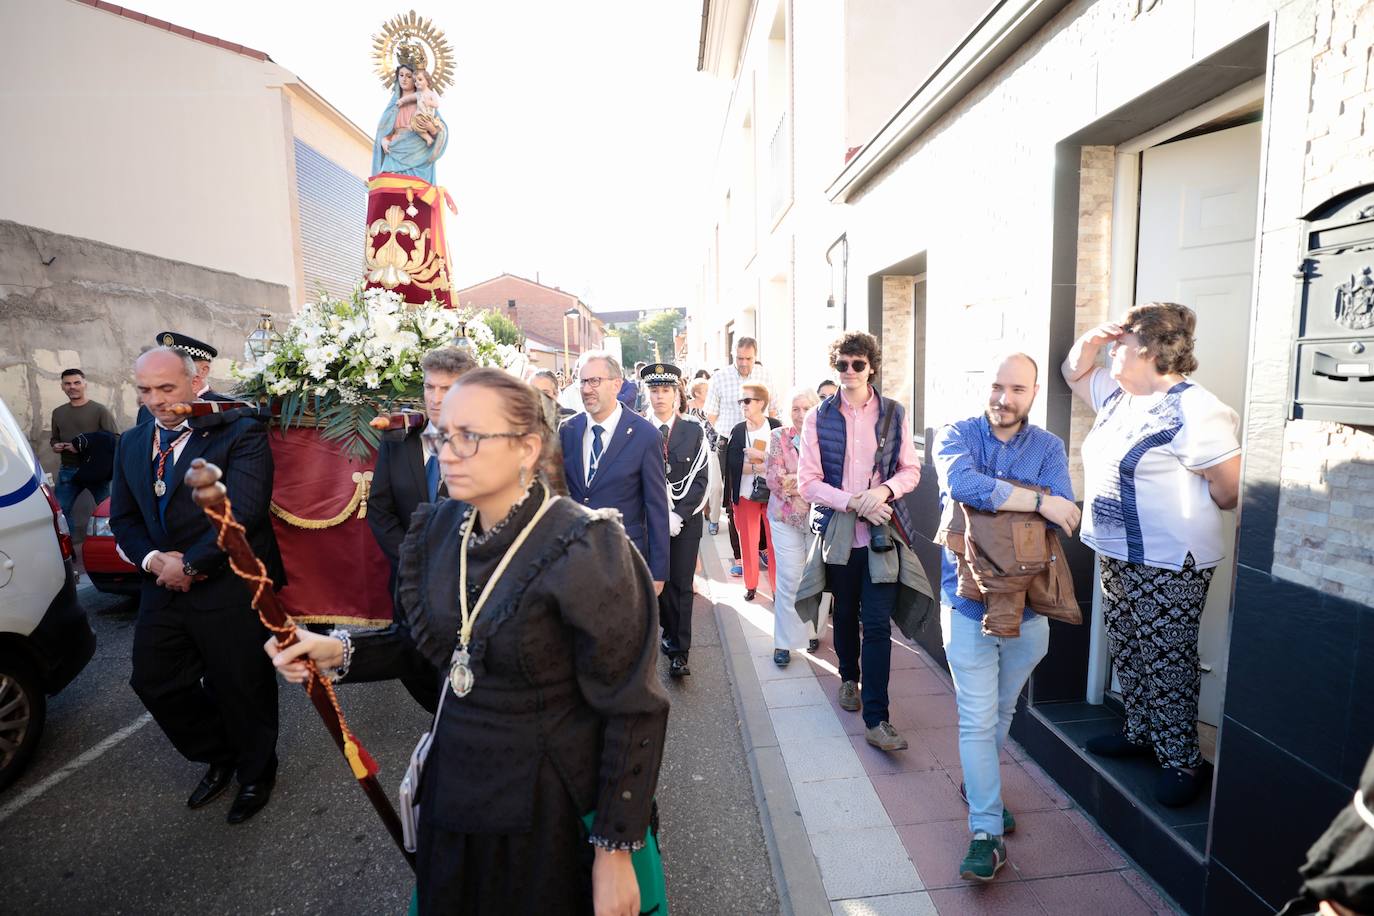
(1008, 822)
(986, 854)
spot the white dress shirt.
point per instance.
(672, 418)
(609, 425)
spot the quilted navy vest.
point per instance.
(831, 437)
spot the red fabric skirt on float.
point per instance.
(406, 249)
(336, 572)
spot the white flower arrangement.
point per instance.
(341, 362)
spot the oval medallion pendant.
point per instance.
(460, 676)
(159, 488)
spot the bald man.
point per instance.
(991, 462)
(195, 621)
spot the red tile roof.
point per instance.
(176, 29)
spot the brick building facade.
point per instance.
(541, 312)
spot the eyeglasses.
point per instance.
(745, 402)
(463, 443)
(592, 382)
(844, 365)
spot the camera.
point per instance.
(880, 539)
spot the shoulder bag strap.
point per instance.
(882, 435)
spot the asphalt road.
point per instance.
(98, 824)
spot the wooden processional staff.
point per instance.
(204, 480)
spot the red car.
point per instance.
(109, 571)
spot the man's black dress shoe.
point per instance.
(679, 667)
(749, 595)
(216, 780)
(251, 799)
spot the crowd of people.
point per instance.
(577, 534)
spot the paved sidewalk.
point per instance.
(858, 832)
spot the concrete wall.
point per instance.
(74, 303)
(155, 142)
(891, 47)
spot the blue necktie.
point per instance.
(432, 477)
(597, 449)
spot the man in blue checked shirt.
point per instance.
(977, 461)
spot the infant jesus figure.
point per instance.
(426, 107)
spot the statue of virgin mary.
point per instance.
(411, 135)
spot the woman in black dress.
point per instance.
(552, 708)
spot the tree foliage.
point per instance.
(660, 328)
(506, 331)
(633, 347)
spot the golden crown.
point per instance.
(413, 41)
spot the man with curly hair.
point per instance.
(856, 457)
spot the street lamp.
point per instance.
(263, 340)
(570, 313)
(461, 340)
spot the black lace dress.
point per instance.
(566, 715)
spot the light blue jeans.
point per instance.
(989, 672)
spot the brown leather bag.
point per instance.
(1008, 561)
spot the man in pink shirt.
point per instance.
(856, 456)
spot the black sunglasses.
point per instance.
(843, 365)
(746, 401)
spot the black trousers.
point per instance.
(231, 721)
(675, 601)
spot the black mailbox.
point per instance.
(1335, 339)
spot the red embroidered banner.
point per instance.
(335, 571)
(406, 249)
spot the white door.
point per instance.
(1196, 246)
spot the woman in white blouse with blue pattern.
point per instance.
(1161, 462)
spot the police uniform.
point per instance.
(685, 456)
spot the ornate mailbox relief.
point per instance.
(1335, 339)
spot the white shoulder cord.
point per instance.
(1362, 809)
(678, 490)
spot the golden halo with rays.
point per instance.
(413, 40)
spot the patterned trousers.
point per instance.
(1152, 617)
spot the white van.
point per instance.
(45, 638)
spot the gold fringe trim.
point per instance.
(343, 620)
(362, 481)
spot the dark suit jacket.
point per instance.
(734, 458)
(630, 478)
(683, 444)
(240, 449)
(398, 487)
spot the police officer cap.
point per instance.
(196, 349)
(660, 374)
